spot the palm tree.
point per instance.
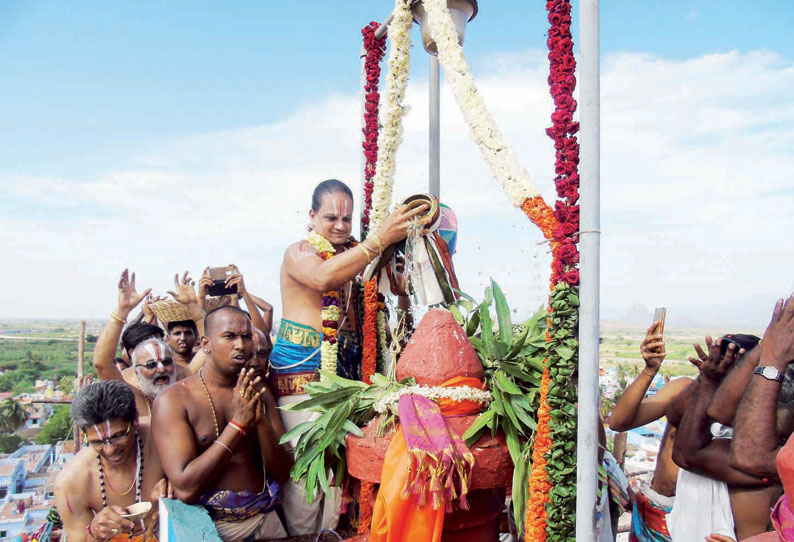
(12, 415)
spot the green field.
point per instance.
(620, 346)
(33, 350)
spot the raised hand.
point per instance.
(185, 292)
(777, 347)
(129, 298)
(148, 314)
(236, 280)
(714, 366)
(246, 401)
(652, 348)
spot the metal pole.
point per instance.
(590, 237)
(435, 127)
(80, 374)
(81, 350)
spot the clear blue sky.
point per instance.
(172, 135)
(84, 82)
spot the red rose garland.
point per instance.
(376, 49)
(549, 515)
(562, 82)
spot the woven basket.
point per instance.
(172, 311)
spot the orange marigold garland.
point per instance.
(369, 331)
(538, 211)
(539, 485)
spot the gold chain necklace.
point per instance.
(212, 406)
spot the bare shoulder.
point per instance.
(677, 385)
(298, 251)
(178, 393)
(76, 474)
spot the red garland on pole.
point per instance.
(562, 83)
(376, 49)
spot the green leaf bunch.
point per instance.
(562, 356)
(512, 359)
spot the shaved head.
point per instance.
(212, 316)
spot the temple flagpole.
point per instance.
(590, 238)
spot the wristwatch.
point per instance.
(769, 372)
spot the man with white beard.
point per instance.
(153, 361)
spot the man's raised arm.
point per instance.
(304, 266)
(632, 410)
(108, 341)
(257, 321)
(726, 399)
(694, 448)
(755, 440)
(185, 293)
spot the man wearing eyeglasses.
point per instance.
(117, 469)
(153, 361)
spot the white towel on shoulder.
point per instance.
(702, 507)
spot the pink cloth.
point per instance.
(439, 460)
(783, 520)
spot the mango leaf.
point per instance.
(488, 298)
(343, 382)
(480, 423)
(473, 324)
(323, 478)
(506, 384)
(518, 344)
(350, 427)
(456, 314)
(296, 431)
(502, 314)
(513, 444)
(380, 380)
(511, 415)
(499, 350)
(466, 305)
(328, 398)
(520, 490)
(464, 295)
(486, 334)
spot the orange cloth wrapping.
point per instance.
(396, 519)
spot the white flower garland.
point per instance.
(328, 350)
(499, 156)
(390, 136)
(460, 393)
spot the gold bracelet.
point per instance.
(377, 240)
(116, 318)
(369, 248)
(218, 441)
(366, 252)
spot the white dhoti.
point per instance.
(702, 507)
(322, 512)
(258, 527)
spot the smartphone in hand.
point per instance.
(658, 316)
(219, 276)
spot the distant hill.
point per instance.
(750, 315)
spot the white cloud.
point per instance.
(696, 177)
